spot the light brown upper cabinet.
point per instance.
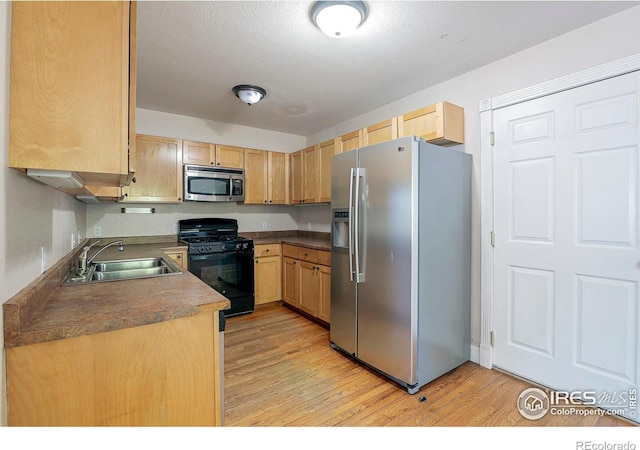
(296, 178)
(72, 89)
(203, 153)
(266, 177)
(386, 130)
(278, 178)
(310, 175)
(158, 176)
(325, 152)
(349, 141)
(440, 124)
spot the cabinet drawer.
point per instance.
(308, 254)
(324, 258)
(290, 251)
(266, 250)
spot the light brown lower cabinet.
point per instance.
(290, 281)
(179, 255)
(162, 374)
(267, 273)
(306, 280)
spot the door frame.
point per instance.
(487, 106)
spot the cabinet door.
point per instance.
(441, 124)
(349, 141)
(324, 293)
(310, 174)
(380, 132)
(133, 70)
(179, 256)
(308, 287)
(290, 281)
(197, 153)
(158, 171)
(255, 176)
(278, 178)
(69, 88)
(268, 279)
(229, 156)
(296, 178)
(326, 151)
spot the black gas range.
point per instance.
(222, 259)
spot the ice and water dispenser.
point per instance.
(340, 229)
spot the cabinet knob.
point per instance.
(179, 256)
(265, 201)
(270, 201)
(212, 163)
(257, 261)
(267, 250)
(133, 180)
(217, 164)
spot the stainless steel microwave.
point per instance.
(213, 184)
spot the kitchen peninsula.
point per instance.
(137, 352)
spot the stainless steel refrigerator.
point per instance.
(401, 258)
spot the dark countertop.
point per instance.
(46, 311)
(318, 244)
(310, 239)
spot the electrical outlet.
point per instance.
(308, 225)
(73, 241)
(264, 225)
(79, 237)
(175, 228)
(97, 231)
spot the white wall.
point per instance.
(606, 40)
(31, 214)
(158, 123)
(250, 218)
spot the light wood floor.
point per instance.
(281, 371)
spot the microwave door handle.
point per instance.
(350, 217)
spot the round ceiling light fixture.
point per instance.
(249, 94)
(338, 19)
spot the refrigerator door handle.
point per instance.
(358, 174)
(352, 174)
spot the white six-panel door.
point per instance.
(567, 260)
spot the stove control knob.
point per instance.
(245, 246)
(238, 246)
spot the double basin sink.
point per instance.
(124, 269)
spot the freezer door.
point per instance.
(387, 236)
(342, 329)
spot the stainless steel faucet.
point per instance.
(84, 261)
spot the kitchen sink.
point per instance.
(125, 269)
(129, 264)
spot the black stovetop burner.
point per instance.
(212, 235)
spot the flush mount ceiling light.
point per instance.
(249, 94)
(338, 19)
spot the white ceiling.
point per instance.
(191, 53)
